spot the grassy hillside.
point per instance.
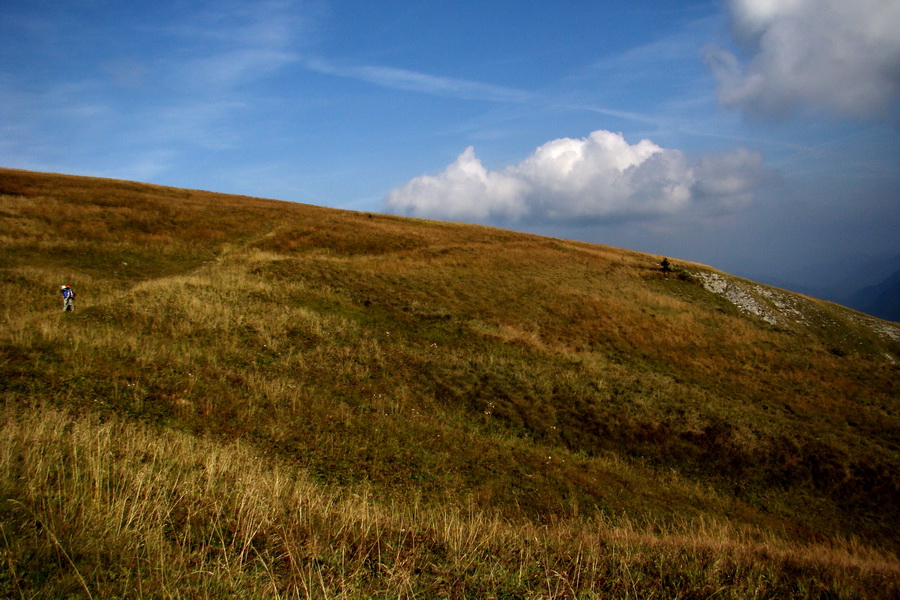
(270, 399)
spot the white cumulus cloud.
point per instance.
(842, 56)
(598, 178)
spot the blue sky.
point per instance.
(756, 136)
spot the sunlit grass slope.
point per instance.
(270, 399)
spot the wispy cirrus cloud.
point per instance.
(242, 42)
(403, 79)
(235, 43)
(234, 67)
(155, 84)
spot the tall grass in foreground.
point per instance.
(104, 507)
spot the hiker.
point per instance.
(68, 295)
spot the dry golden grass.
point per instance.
(467, 412)
(115, 509)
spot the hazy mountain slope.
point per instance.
(881, 300)
(455, 364)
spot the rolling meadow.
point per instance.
(261, 399)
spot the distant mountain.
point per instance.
(881, 300)
(839, 280)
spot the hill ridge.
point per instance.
(445, 365)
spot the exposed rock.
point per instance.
(785, 308)
(882, 328)
(735, 293)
